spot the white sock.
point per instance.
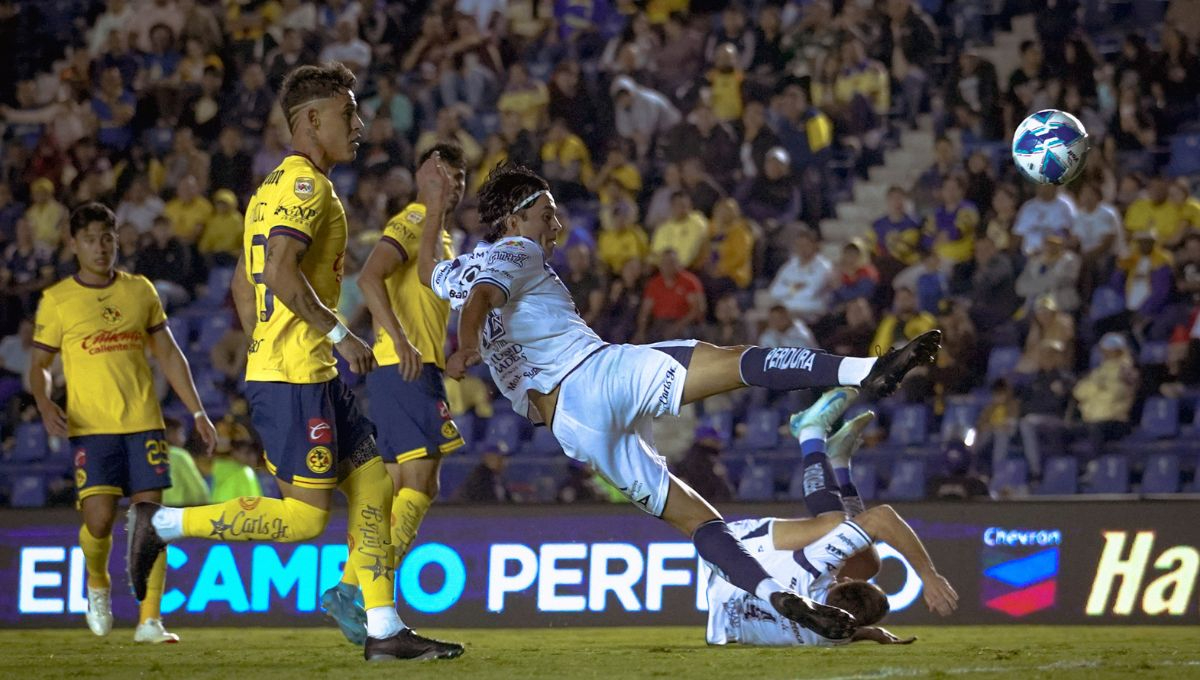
(767, 588)
(853, 370)
(383, 622)
(811, 432)
(168, 522)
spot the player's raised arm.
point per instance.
(283, 277)
(385, 258)
(884, 524)
(243, 297)
(434, 184)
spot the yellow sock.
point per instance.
(95, 555)
(150, 607)
(369, 492)
(256, 519)
(408, 509)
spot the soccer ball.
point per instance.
(1050, 147)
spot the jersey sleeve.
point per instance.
(449, 280)
(156, 316)
(404, 229)
(47, 326)
(512, 265)
(296, 204)
(827, 554)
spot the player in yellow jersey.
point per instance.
(285, 286)
(408, 395)
(101, 321)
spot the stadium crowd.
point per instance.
(695, 148)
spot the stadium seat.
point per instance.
(1185, 155)
(866, 479)
(455, 471)
(507, 429)
(960, 416)
(542, 444)
(1105, 302)
(908, 481)
(32, 444)
(910, 425)
(722, 422)
(1153, 354)
(467, 426)
(1060, 477)
(1013, 473)
(181, 329)
(1110, 474)
(1160, 420)
(219, 280)
(1161, 474)
(762, 430)
(212, 329)
(757, 484)
(28, 491)
(1001, 362)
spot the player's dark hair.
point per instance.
(92, 212)
(307, 83)
(864, 600)
(505, 187)
(451, 154)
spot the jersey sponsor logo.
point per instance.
(319, 431)
(304, 187)
(497, 255)
(664, 398)
(112, 315)
(80, 457)
(319, 459)
(101, 342)
(297, 213)
(414, 217)
(449, 431)
(493, 330)
(789, 357)
(248, 503)
(836, 552)
(273, 178)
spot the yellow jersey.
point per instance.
(423, 315)
(102, 333)
(296, 200)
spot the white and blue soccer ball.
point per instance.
(1050, 147)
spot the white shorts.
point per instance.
(604, 411)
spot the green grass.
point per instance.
(1024, 652)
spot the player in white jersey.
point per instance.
(599, 399)
(826, 557)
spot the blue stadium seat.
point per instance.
(722, 422)
(32, 444)
(467, 426)
(219, 280)
(1185, 155)
(866, 479)
(507, 429)
(762, 430)
(1013, 473)
(1161, 474)
(454, 472)
(181, 329)
(542, 444)
(212, 329)
(908, 481)
(535, 480)
(1111, 475)
(910, 425)
(1060, 477)
(1153, 354)
(960, 416)
(1160, 419)
(28, 491)
(1001, 362)
(1105, 302)
(757, 484)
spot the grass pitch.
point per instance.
(1023, 652)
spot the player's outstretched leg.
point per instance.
(841, 447)
(811, 427)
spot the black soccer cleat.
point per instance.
(407, 645)
(890, 369)
(828, 622)
(142, 546)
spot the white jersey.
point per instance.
(735, 616)
(536, 337)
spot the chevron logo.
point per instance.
(1019, 584)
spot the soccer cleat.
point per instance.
(142, 546)
(152, 631)
(828, 622)
(890, 369)
(407, 645)
(825, 412)
(845, 442)
(99, 612)
(346, 613)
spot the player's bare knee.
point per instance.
(99, 523)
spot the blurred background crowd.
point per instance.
(714, 161)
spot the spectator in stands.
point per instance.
(1106, 394)
(486, 482)
(221, 239)
(229, 167)
(804, 282)
(895, 236)
(252, 102)
(980, 183)
(621, 238)
(731, 264)
(754, 139)
(770, 52)
(15, 353)
(1099, 235)
(291, 53)
(232, 466)
(1044, 400)
(973, 97)
(1002, 218)
(705, 137)
(586, 288)
(1048, 212)
(206, 111)
(525, 97)
(927, 278)
(10, 211)
(188, 211)
(774, 194)
(955, 371)
(1052, 270)
(46, 216)
(805, 132)
(566, 162)
(1133, 127)
(1178, 74)
(725, 80)
(348, 48)
(672, 303)
(114, 106)
(28, 267)
(660, 206)
(618, 321)
(784, 331)
(187, 484)
(642, 114)
(902, 324)
(685, 233)
(570, 101)
(1154, 213)
(680, 57)
(228, 355)
(989, 282)
(959, 482)
(702, 469)
(907, 45)
(1186, 206)
(856, 277)
(620, 169)
(519, 143)
(449, 129)
(1024, 83)
(950, 230)
(140, 207)
(579, 486)
(946, 162)
(704, 190)
(167, 262)
(1145, 280)
(729, 329)
(185, 159)
(996, 424)
(1047, 323)
(861, 95)
(1187, 270)
(853, 338)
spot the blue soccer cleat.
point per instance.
(825, 412)
(343, 607)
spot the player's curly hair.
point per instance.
(866, 601)
(92, 212)
(308, 83)
(505, 187)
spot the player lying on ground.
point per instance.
(599, 399)
(101, 319)
(286, 287)
(826, 557)
(407, 393)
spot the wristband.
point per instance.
(198, 414)
(338, 333)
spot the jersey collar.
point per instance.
(112, 277)
(310, 161)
